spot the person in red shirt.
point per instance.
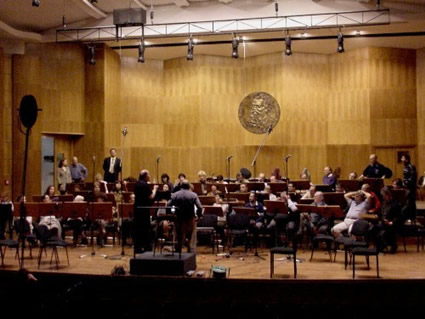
(375, 203)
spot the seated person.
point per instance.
(220, 179)
(390, 221)
(178, 183)
(214, 191)
(339, 188)
(165, 179)
(360, 205)
(6, 216)
(261, 178)
(329, 178)
(397, 183)
(51, 192)
(290, 221)
(352, 176)
(318, 224)
(305, 175)
(243, 188)
(52, 224)
(375, 203)
(310, 193)
(268, 190)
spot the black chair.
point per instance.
(321, 238)
(47, 241)
(238, 227)
(367, 252)
(9, 243)
(289, 251)
(359, 231)
(414, 230)
(207, 225)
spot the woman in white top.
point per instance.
(64, 175)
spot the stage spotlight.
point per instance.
(92, 54)
(190, 45)
(276, 7)
(340, 42)
(288, 43)
(35, 3)
(235, 47)
(141, 58)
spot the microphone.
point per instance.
(158, 158)
(287, 157)
(125, 131)
(269, 130)
(229, 157)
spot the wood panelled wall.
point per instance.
(54, 74)
(335, 110)
(5, 123)
(420, 86)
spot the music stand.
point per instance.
(306, 201)
(207, 200)
(349, 185)
(213, 210)
(301, 184)
(243, 197)
(37, 198)
(49, 209)
(276, 207)
(278, 187)
(335, 199)
(255, 186)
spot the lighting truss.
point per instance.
(251, 25)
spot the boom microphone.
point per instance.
(125, 131)
(287, 157)
(229, 157)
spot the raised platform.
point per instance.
(162, 264)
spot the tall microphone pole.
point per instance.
(157, 168)
(228, 158)
(254, 161)
(124, 134)
(286, 158)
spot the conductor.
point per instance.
(142, 224)
(185, 202)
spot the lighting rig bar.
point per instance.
(250, 25)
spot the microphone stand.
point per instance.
(286, 167)
(157, 168)
(253, 164)
(228, 166)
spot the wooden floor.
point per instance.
(248, 266)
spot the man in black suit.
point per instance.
(142, 224)
(376, 169)
(111, 167)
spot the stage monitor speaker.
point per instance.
(129, 17)
(162, 264)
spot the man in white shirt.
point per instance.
(358, 206)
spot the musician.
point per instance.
(329, 178)
(179, 182)
(318, 224)
(220, 179)
(268, 190)
(390, 221)
(51, 192)
(261, 178)
(243, 188)
(310, 193)
(186, 202)
(397, 183)
(376, 169)
(339, 188)
(352, 176)
(78, 171)
(305, 174)
(358, 206)
(409, 182)
(142, 223)
(375, 203)
(214, 191)
(288, 221)
(63, 175)
(6, 214)
(111, 166)
(165, 179)
(202, 178)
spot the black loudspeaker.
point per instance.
(129, 17)
(162, 264)
(28, 111)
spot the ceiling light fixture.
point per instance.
(92, 54)
(340, 48)
(141, 58)
(235, 47)
(190, 46)
(288, 44)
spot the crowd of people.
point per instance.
(391, 212)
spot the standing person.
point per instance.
(185, 202)
(142, 223)
(78, 171)
(376, 169)
(111, 166)
(329, 178)
(64, 175)
(409, 182)
(6, 214)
